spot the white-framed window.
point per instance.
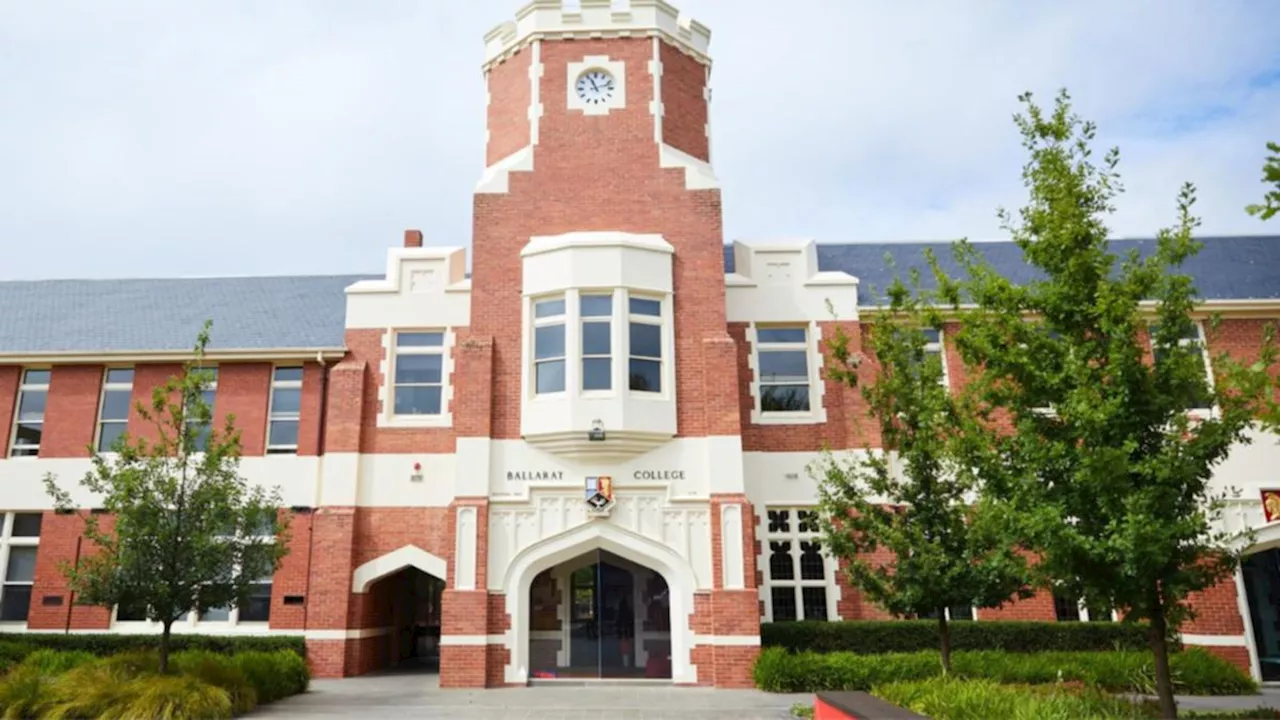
(202, 430)
(954, 613)
(19, 541)
(113, 408)
(1198, 403)
(418, 373)
(257, 608)
(935, 347)
(783, 370)
(549, 345)
(284, 410)
(644, 347)
(28, 419)
(1069, 608)
(596, 313)
(799, 579)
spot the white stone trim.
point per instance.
(536, 71)
(616, 68)
(471, 640)
(602, 535)
(356, 634)
(727, 640)
(387, 416)
(464, 571)
(1214, 640)
(655, 105)
(698, 174)
(407, 556)
(731, 550)
(596, 19)
(495, 180)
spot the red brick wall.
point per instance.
(333, 530)
(59, 537)
(684, 103)
(243, 393)
(10, 378)
(473, 385)
(1036, 607)
(622, 188)
(1238, 656)
(314, 378)
(294, 575)
(344, 421)
(1217, 611)
(508, 112)
(146, 378)
(381, 530)
(71, 413)
(366, 346)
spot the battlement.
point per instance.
(565, 19)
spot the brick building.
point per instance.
(583, 458)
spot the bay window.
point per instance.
(597, 341)
(548, 345)
(645, 331)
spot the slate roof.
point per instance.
(248, 313)
(1226, 268)
(264, 313)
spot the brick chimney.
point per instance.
(413, 238)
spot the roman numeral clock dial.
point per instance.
(595, 87)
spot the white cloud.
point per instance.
(142, 137)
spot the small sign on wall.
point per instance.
(1271, 505)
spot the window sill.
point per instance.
(781, 418)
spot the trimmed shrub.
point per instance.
(220, 671)
(105, 644)
(892, 636)
(55, 662)
(1195, 671)
(274, 675)
(951, 699)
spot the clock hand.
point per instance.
(593, 83)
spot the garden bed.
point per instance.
(200, 684)
(1195, 671)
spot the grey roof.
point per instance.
(264, 313)
(1226, 268)
(251, 313)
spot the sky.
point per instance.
(146, 138)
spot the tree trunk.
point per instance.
(164, 647)
(1157, 638)
(944, 632)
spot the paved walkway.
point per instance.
(419, 696)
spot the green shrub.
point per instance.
(56, 662)
(103, 644)
(886, 636)
(25, 692)
(172, 697)
(93, 690)
(952, 699)
(134, 662)
(274, 675)
(1195, 671)
(220, 671)
(12, 653)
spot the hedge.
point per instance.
(886, 636)
(15, 646)
(1195, 671)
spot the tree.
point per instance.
(1093, 440)
(950, 547)
(188, 532)
(1270, 176)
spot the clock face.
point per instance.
(596, 87)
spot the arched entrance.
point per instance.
(599, 602)
(401, 594)
(599, 615)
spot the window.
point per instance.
(28, 425)
(210, 395)
(645, 330)
(1070, 608)
(286, 404)
(955, 613)
(18, 543)
(548, 346)
(782, 359)
(113, 414)
(597, 341)
(1200, 398)
(419, 374)
(797, 576)
(933, 349)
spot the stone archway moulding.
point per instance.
(599, 535)
(407, 556)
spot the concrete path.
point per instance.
(419, 696)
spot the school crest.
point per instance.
(599, 494)
(1271, 504)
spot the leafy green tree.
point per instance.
(950, 547)
(1106, 452)
(1270, 176)
(187, 532)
